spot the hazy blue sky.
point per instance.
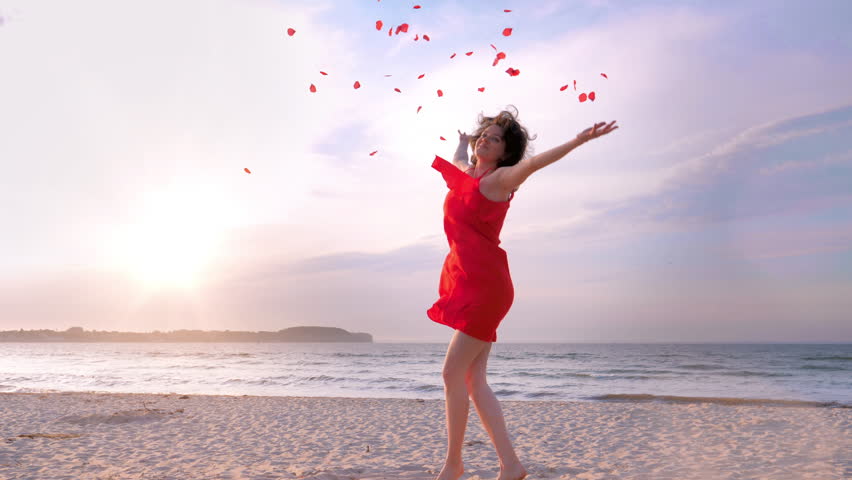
(721, 210)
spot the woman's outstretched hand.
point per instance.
(596, 131)
(464, 138)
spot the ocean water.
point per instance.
(578, 372)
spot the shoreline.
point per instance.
(630, 398)
(83, 435)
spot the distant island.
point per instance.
(294, 334)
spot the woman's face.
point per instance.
(490, 146)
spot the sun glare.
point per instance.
(175, 238)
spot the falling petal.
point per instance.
(453, 55)
(507, 32)
(390, 31)
(562, 88)
(417, 37)
(379, 24)
(402, 28)
(323, 72)
(492, 46)
(373, 153)
(313, 88)
(469, 53)
(604, 75)
(507, 11)
(582, 97)
(357, 85)
(416, 7)
(387, 75)
(397, 90)
(442, 138)
(418, 108)
(440, 93)
(592, 96)
(513, 72)
(421, 76)
(247, 170)
(425, 37)
(481, 89)
(575, 85)
(290, 32)
(501, 55)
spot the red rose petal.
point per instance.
(397, 90)
(501, 55)
(357, 85)
(481, 89)
(442, 138)
(313, 88)
(582, 97)
(417, 37)
(416, 7)
(513, 72)
(507, 32)
(373, 153)
(575, 85)
(492, 46)
(323, 72)
(402, 28)
(469, 53)
(507, 11)
(387, 75)
(290, 32)
(562, 88)
(390, 31)
(592, 96)
(421, 76)
(247, 170)
(425, 37)
(379, 24)
(418, 108)
(604, 75)
(440, 93)
(453, 55)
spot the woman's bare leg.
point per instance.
(491, 415)
(462, 350)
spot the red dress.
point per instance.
(475, 288)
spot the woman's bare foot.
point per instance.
(451, 471)
(515, 472)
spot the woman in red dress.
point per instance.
(475, 289)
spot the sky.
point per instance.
(719, 211)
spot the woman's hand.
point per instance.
(596, 131)
(464, 138)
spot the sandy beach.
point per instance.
(143, 436)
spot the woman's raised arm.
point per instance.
(512, 177)
(460, 158)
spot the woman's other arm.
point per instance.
(460, 158)
(512, 177)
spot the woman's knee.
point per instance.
(453, 374)
(476, 385)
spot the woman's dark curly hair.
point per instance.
(515, 136)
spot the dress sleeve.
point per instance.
(452, 175)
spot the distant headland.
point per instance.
(294, 334)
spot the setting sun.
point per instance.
(173, 240)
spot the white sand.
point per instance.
(129, 436)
